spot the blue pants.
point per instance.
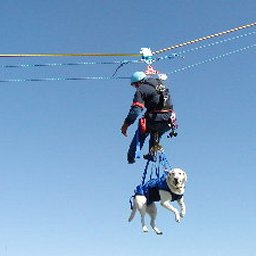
(152, 128)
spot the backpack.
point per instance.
(163, 94)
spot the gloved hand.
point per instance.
(124, 129)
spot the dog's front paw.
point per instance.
(177, 216)
(182, 214)
(145, 229)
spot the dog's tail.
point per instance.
(133, 208)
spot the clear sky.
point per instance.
(64, 180)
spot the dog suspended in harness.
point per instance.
(166, 189)
(156, 165)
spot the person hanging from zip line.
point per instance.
(151, 94)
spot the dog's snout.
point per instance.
(176, 181)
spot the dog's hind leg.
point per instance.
(141, 204)
(152, 211)
(132, 213)
(142, 211)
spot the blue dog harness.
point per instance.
(151, 190)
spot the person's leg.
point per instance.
(157, 129)
(136, 144)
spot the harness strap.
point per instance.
(144, 175)
(138, 144)
(156, 169)
(158, 165)
(160, 111)
(131, 203)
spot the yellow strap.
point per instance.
(66, 54)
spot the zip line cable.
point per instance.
(204, 38)
(124, 62)
(126, 54)
(141, 61)
(217, 42)
(117, 78)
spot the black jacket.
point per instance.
(148, 96)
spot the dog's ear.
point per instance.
(185, 176)
(170, 172)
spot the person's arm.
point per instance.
(135, 110)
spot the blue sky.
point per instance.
(65, 183)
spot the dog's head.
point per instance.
(177, 179)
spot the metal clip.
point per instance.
(150, 70)
(147, 55)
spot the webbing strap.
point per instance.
(144, 175)
(138, 143)
(157, 165)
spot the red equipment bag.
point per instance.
(143, 124)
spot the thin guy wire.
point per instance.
(212, 59)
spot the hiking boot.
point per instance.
(150, 157)
(130, 161)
